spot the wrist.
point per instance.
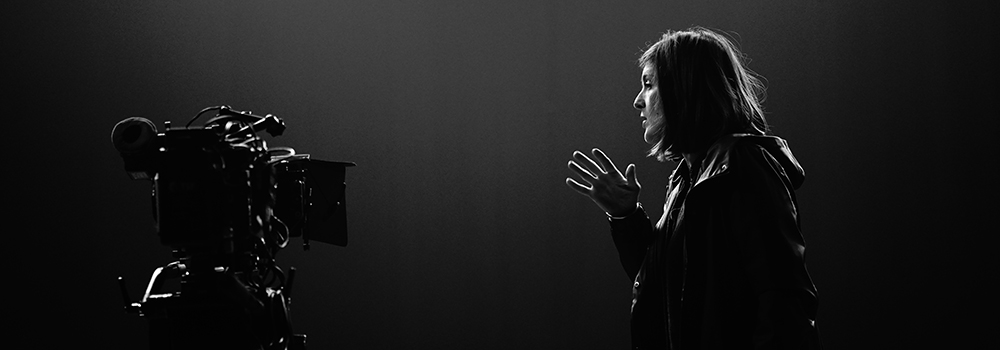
(625, 214)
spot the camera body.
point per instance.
(226, 204)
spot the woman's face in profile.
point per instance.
(648, 102)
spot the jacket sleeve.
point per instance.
(632, 235)
(770, 245)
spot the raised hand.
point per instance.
(613, 192)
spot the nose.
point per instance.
(639, 103)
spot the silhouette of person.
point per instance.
(724, 267)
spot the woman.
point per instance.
(724, 266)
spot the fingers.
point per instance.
(606, 162)
(576, 186)
(585, 161)
(584, 174)
(630, 175)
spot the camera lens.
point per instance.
(133, 135)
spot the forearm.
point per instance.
(632, 235)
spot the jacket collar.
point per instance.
(717, 158)
(713, 164)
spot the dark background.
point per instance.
(461, 116)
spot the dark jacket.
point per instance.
(724, 267)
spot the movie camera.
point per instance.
(225, 204)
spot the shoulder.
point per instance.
(748, 157)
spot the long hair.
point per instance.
(706, 91)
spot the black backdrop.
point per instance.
(461, 116)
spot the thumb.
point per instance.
(630, 175)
